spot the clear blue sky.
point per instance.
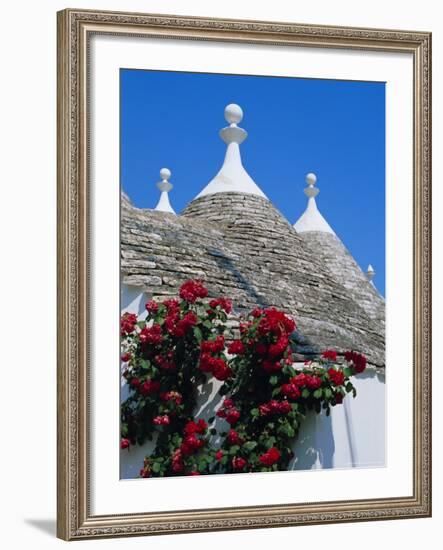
(333, 128)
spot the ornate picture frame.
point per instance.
(75, 519)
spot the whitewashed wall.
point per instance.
(353, 436)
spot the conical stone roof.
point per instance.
(330, 250)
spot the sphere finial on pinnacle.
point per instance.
(164, 184)
(233, 113)
(311, 178)
(165, 174)
(310, 191)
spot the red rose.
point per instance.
(257, 312)
(172, 396)
(171, 305)
(151, 335)
(284, 407)
(236, 348)
(135, 382)
(264, 409)
(291, 391)
(276, 350)
(190, 444)
(162, 420)
(220, 369)
(194, 473)
(232, 416)
(183, 326)
(149, 387)
(233, 438)
(228, 403)
(299, 380)
(166, 363)
(126, 357)
(238, 463)
(125, 443)
(205, 363)
(275, 322)
(196, 427)
(213, 346)
(219, 455)
(275, 407)
(338, 398)
(145, 472)
(357, 359)
(191, 290)
(313, 382)
(270, 457)
(177, 461)
(152, 306)
(127, 323)
(201, 426)
(330, 354)
(225, 305)
(336, 376)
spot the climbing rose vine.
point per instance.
(184, 342)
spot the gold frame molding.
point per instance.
(75, 27)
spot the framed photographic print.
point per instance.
(243, 274)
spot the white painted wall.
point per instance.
(353, 436)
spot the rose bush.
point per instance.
(165, 356)
(181, 343)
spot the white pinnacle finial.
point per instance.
(311, 180)
(232, 133)
(164, 186)
(311, 219)
(232, 177)
(370, 272)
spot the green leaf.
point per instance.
(327, 392)
(287, 430)
(305, 393)
(349, 387)
(250, 445)
(273, 380)
(318, 393)
(354, 392)
(213, 431)
(198, 334)
(290, 371)
(255, 413)
(347, 371)
(145, 364)
(207, 324)
(156, 467)
(211, 420)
